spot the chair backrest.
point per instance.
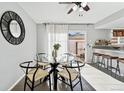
(67, 57)
(43, 57)
(78, 65)
(28, 65)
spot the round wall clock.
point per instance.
(12, 27)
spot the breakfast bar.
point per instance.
(113, 57)
(114, 52)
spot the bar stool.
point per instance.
(111, 58)
(98, 59)
(93, 57)
(118, 67)
(107, 60)
(97, 55)
(103, 60)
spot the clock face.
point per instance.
(12, 27)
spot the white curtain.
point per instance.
(57, 34)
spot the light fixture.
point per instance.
(80, 9)
(83, 4)
(75, 7)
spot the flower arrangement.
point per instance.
(56, 48)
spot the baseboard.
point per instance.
(16, 83)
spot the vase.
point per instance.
(54, 54)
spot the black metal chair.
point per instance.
(42, 59)
(33, 73)
(70, 74)
(66, 58)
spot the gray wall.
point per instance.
(12, 55)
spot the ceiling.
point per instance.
(53, 12)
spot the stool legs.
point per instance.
(118, 68)
(98, 60)
(111, 66)
(103, 61)
(107, 63)
(93, 58)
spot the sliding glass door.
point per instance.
(76, 43)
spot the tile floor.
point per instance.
(100, 80)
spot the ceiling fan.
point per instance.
(77, 5)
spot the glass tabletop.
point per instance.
(74, 62)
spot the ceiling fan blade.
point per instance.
(86, 8)
(74, 8)
(70, 11)
(77, 3)
(65, 2)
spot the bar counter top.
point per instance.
(109, 51)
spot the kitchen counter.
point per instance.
(109, 51)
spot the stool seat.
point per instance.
(112, 57)
(121, 60)
(97, 54)
(105, 55)
(94, 53)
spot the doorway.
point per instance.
(77, 43)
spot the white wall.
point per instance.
(92, 36)
(42, 39)
(12, 55)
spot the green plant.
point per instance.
(56, 46)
